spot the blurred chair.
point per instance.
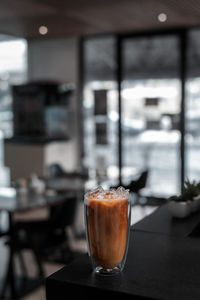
(47, 238)
(135, 186)
(56, 170)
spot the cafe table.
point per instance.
(163, 262)
(14, 204)
(66, 184)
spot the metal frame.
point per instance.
(80, 96)
(119, 81)
(183, 63)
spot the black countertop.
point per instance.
(159, 266)
(162, 222)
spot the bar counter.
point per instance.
(163, 262)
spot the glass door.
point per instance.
(150, 116)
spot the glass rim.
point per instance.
(125, 195)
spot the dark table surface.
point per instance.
(162, 222)
(160, 265)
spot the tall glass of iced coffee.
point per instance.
(107, 218)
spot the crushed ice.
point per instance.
(114, 193)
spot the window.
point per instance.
(151, 111)
(156, 132)
(100, 108)
(192, 107)
(13, 70)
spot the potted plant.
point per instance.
(187, 202)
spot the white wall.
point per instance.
(57, 59)
(53, 59)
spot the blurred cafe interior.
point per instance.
(92, 93)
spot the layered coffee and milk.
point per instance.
(107, 226)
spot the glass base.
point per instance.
(102, 271)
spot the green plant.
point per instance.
(189, 191)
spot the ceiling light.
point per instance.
(43, 30)
(162, 17)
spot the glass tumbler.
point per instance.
(107, 220)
